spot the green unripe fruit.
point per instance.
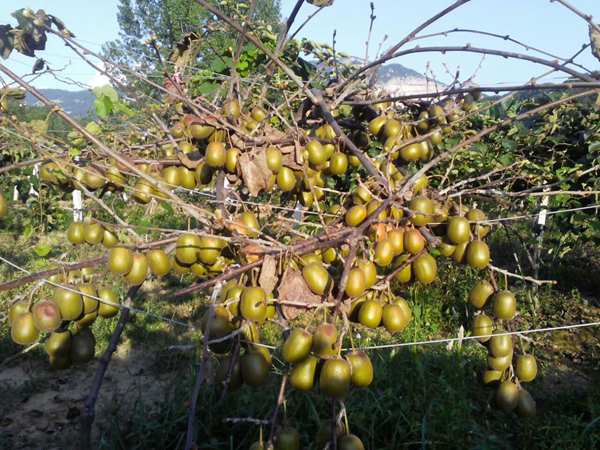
(232, 109)
(377, 124)
(253, 304)
(507, 396)
(3, 206)
(500, 363)
(70, 303)
(501, 344)
(139, 270)
(120, 260)
(422, 209)
(21, 307)
(58, 343)
(356, 215)
(297, 346)
(361, 368)
(231, 159)
(526, 405)
(370, 314)
(254, 368)
(325, 339)
(288, 438)
(187, 247)
(302, 375)
(480, 294)
(209, 249)
(159, 262)
(369, 271)
(411, 152)
(478, 254)
(355, 283)
(395, 317)
(384, 253)
(88, 292)
(350, 442)
(108, 307)
(526, 369)
(491, 376)
(274, 159)
(316, 153)
(396, 238)
(338, 164)
(109, 239)
(504, 305)
(483, 326)
(198, 131)
(335, 378)
(425, 268)
(23, 330)
(171, 176)
(286, 180)
(83, 346)
(317, 277)
(414, 241)
(93, 233)
(216, 155)
(75, 233)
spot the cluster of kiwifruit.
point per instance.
(288, 438)
(92, 233)
(65, 318)
(503, 368)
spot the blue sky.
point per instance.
(538, 23)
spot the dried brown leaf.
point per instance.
(268, 274)
(293, 288)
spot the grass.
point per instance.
(422, 397)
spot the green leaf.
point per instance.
(42, 250)
(108, 91)
(103, 106)
(207, 88)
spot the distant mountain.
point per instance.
(395, 79)
(75, 103)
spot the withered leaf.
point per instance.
(268, 274)
(293, 288)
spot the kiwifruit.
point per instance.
(16, 309)
(411, 152)
(501, 344)
(70, 303)
(478, 254)
(325, 339)
(526, 368)
(297, 346)
(422, 209)
(93, 179)
(394, 318)
(199, 131)
(187, 247)
(120, 260)
(384, 253)
(178, 266)
(110, 298)
(500, 362)
(187, 178)
(459, 252)
(361, 195)
(458, 230)
(159, 262)
(350, 442)
(338, 164)
(59, 342)
(329, 255)
(171, 176)
(142, 191)
(93, 233)
(83, 346)
(526, 404)
(376, 125)
(355, 283)
(253, 304)
(414, 241)
(109, 239)
(325, 133)
(286, 180)
(392, 127)
(504, 305)
(186, 147)
(75, 233)
(396, 238)
(370, 313)
(254, 368)
(335, 378)
(404, 275)
(302, 375)
(477, 215)
(446, 249)
(46, 316)
(491, 376)
(425, 268)
(507, 396)
(258, 114)
(287, 438)
(209, 250)
(139, 270)
(3, 206)
(229, 370)
(361, 367)
(369, 271)
(316, 277)
(248, 224)
(316, 153)
(274, 159)
(482, 326)
(177, 130)
(356, 215)
(88, 292)
(421, 183)
(217, 327)
(59, 361)
(216, 155)
(231, 109)
(23, 330)
(436, 138)
(480, 293)
(204, 173)
(231, 159)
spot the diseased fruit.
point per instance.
(504, 305)
(317, 277)
(297, 346)
(335, 378)
(302, 375)
(507, 396)
(120, 260)
(526, 368)
(23, 330)
(361, 368)
(70, 303)
(287, 438)
(159, 262)
(480, 293)
(425, 268)
(254, 368)
(46, 316)
(83, 346)
(75, 233)
(483, 326)
(139, 270)
(325, 339)
(458, 230)
(350, 442)
(253, 304)
(355, 283)
(478, 254)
